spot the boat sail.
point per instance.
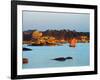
(73, 42)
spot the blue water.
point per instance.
(41, 56)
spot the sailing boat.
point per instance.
(73, 42)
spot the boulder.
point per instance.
(25, 60)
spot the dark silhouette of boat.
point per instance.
(62, 58)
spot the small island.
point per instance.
(26, 49)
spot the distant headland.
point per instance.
(54, 37)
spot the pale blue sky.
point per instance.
(51, 20)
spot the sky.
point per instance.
(42, 21)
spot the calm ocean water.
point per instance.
(41, 56)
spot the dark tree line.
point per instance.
(58, 34)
